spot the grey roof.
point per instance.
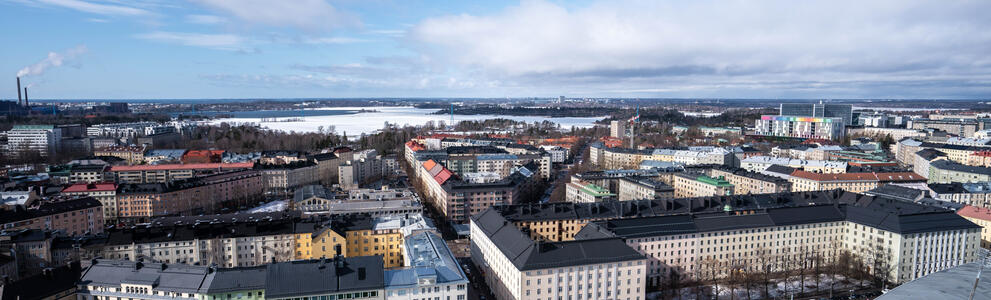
(958, 167)
(947, 188)
(952, 283)
(897, 192)
(173, 278)
(930, 154)
(320, 277)
(237, 279)
(427, 256)
(527, 254)
(310, 191)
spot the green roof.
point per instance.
(720, 181)
(595, 190)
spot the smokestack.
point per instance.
(26, 98)
(18, 91)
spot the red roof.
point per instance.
(443, 176)
(429, 164)
(885, 177)
(982, 153)
(203, 153)
(92, 187)
(414, 146)
(245, 165)
(975, 212)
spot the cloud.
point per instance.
(54, 59)
(334, 40)
(98, 8)
(205, 19)
(213, 41)
(313, 15)
(695, 47)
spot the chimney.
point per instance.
(26, 98)
(18, 91)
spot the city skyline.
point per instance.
(76, 49)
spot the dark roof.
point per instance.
(955, 166)
(897, 192)
(753, 175)
(708, 222)
(237, 279)
(527, 254)
(206, 228)
(316, 277)
(324, 156)
(649, 182)
(930, 154)
(780, 169)
(42, 286)
(948, 188)
(48, 208)
(474, 150)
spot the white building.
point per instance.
(558, 154)
(617, 129)
(800, 127)
(41, 138)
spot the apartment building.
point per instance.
(459, 199)
(976, 194)
(232, 240)
(133, 155)
(584, 192)
(946, 171)
(430, 272)
(982, 217)
(962, 154)
(318, 200)
(518, 267)
(165, 173)
(626, 158)
(912, 239)
(88, 173)
(366, 167)
(42, 139)
(964, 128)
(106, 193)
(853, 182)
(688, 185)
(204, 194)
(164, 156)
(643, 188)
(360, 235)
(71, 215)
(747, 182)
(800, 127)
(329, 163)
(558, 154)
(761, 163)
(282, 179)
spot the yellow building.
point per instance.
(981, 217)
(358, 235)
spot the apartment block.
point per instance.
(71, 215)
(688, 185)
(106, 193)
(584, 192)
(42, 139)
(133, 155)
(747, 182)
(853, 182)
(205, 194)
(165, 173)
(643, 188)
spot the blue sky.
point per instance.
(116, 49)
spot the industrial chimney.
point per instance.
(18, 90)
(28, 106)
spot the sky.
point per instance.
(196, 49)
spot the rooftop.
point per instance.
(316, 277)
(953, 283)
(207, 166)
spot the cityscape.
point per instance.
(534, 150)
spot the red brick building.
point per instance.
(71, 215)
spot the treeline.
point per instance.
(733, 117)
(531, 111)
(9, 122)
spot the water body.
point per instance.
(349, 120)
(277, 113)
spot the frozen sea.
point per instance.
(349, 120)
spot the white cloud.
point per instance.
(315, 15)
(693, 46)
(98, 8)
(54, 59)
(334, 40)
(205, 19)
(212, 41)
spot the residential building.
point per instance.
(518, 267)
(206, 194)
(366, 167)
(827, 110)
(946, 171)
(41, 139)
(431, 271)
(337, 278)
(687, 185)
(800, 127)
(976, 194)
(617, 129)
(282, 179)
(558, 154)
(964, 128)
(314, 199)
(73, 216)
(133, 155)
(982, 217)
(88, 173)
(584, 192)
(643, 188)
(853, 182)
(165, 173)
(761, 163)
(878, 228)
(747, 182)
(164, 156)
(106, 193)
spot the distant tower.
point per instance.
(452, 116)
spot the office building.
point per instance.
(42, 139)
(800, 127)
(818, 110)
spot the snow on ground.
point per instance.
(274, 206)
(778, 288)
(369, 122)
